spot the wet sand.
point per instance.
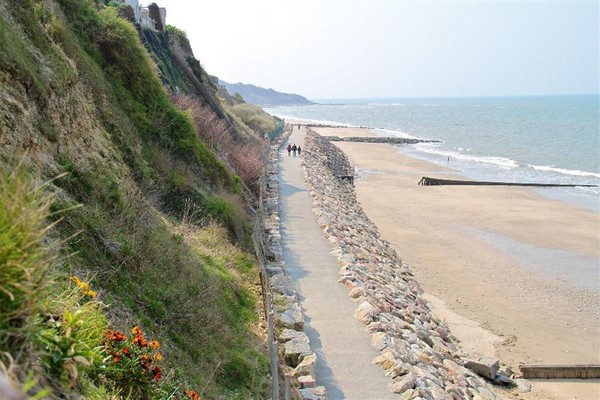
(513, 273)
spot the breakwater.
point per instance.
(379, 139)
(418, 352)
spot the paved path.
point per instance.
(342, 345)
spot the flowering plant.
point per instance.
(84, 286)
(133, 362)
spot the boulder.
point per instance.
(365, 312)
(485, 366)
(317, 393)
(306, 381)
(289, 334)
(295, 350)
(291, 318)
(307, 366)
(397, 370)
(380, 340)
(405, 383)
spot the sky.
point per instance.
(378, 49)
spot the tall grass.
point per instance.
(23, 260)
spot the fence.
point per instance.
(281, 387)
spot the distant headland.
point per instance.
(264, 97)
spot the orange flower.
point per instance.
(137, 331)
(115, 336)
(191, 394)
(158, 356)
(140, 341)
(154, 344)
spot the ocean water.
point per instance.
(544, 139)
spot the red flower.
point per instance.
(156, 373)
(145, 362)
(115, 357)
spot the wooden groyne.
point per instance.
(427, 181)
(378, 139)
(583, 371)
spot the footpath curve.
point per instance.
(343, 347)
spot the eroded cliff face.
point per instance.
(65, 124)
(155, 217)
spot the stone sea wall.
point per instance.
(294, 346)
(418, 352)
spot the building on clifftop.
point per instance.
(151, 17)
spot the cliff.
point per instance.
(122, 204)
(264, 97)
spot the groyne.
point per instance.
(417, 350)
(379, 139)
(427, 181)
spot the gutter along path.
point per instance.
(343, 347)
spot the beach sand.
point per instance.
(514, 274)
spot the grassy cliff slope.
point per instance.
(117, 195)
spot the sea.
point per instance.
(540, 139)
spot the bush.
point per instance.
(245, 157)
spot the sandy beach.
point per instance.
(514, 274)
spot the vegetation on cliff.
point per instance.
(118, 210)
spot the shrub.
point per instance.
(245, 157)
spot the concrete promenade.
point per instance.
(342, 346)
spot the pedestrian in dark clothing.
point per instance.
(299, 150)
(294, 148)
(289, 149)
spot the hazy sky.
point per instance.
(336, 49)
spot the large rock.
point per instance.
(407, 382)
(307, 366)
(296, 349)
(318, 393)
(365, 312)
(283, 284)
(306, 381)
(289, 334)
(485, 366)
(291, 318)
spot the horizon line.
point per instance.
(454, 97)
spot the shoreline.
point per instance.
(479, 172)
(530, 317)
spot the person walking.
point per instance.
(299, 151)
(289, 149)
(294, 148)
